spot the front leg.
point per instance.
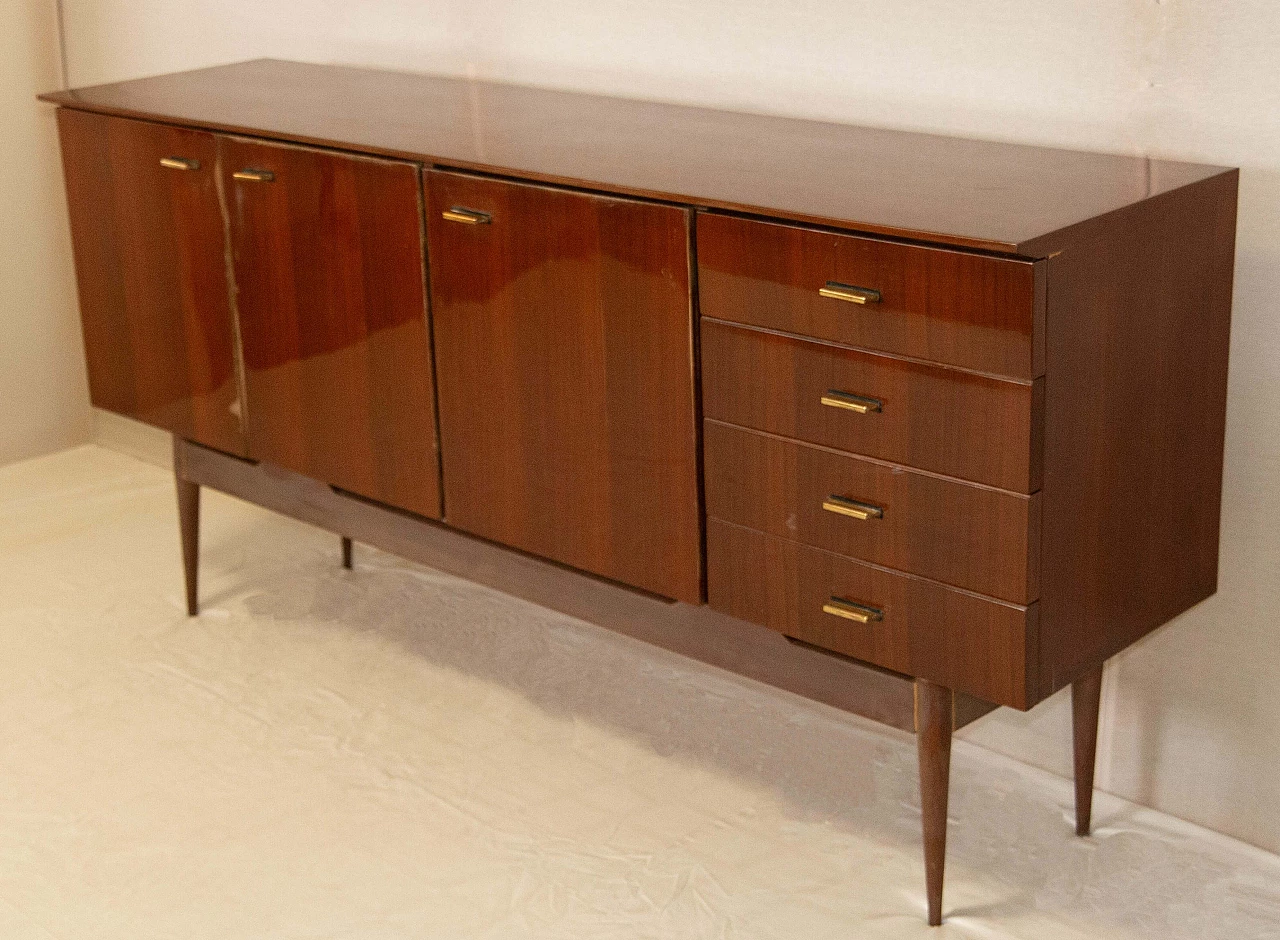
(189, 524)
(935, 717)
(1086, 695)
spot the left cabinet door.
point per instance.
(330, 285)
(150, 254)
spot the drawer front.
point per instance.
(981, 539)
(972, 644)
(969, 310)
(931, 418)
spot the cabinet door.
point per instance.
(331, 294)
(150, 255)
(564, 350)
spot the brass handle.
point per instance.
(179, 163)
(852, 507)
(466, 216)
(250, 175)
(839, 607)
(847, 292)
(850, 402)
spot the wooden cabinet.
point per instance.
(564, 341)
(330, 286)
(147, 232)
(958, 406)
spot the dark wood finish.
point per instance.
(1053, 392)
(1086, 695)
(694, 631)
(969, 310)
(331, 295)
(1138, 332)
(973, 537)
(962, 640)
(563, 334)
(955, 423)
(970, 193)
(150, 264)
(347, 553)
(188, 528)
(934, 705)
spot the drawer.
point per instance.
(965, 642)
(929, 417)
(961, 308)
(972, 537)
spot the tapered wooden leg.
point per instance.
(189, 522)
(1086, 692)
(346, 553)
(934, 720)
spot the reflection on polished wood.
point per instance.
(150, 263)
(956, 307)
(564, 344)
(972, 537)
(1002, 197)
(961, 640)
(936, 419)
(330, 288)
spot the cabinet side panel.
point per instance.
(1138, 329)
(148, 243)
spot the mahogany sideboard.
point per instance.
(945, 414)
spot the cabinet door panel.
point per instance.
(151, 265)
(331, 295)
(564, 349)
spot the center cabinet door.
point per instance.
(331, 295)
(564, 356)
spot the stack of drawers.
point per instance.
(873, 448)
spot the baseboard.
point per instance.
(126, 436)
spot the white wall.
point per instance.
(44, 397)
(1192, 722)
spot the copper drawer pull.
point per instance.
(850, 402)
(839, 607)
(847, 292)
(852, 508)
(251, 175)
(179, 163)
(466, 216)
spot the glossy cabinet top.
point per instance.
(976, 194)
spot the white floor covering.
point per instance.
(395, 753)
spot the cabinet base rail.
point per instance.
(933, 712)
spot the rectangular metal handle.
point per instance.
(839, 607)
(466, 216)
(251, 175)
(179, 163)
(847, 292)
(850, 402)
(844, 506)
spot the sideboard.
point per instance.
(947, 415)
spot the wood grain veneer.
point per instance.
(150, 264)
(950, 422)
(954, 638)
(979, 538)
(564, 337)
(961, 308)
(1138, 332)
(976, 194)
(331, 293)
